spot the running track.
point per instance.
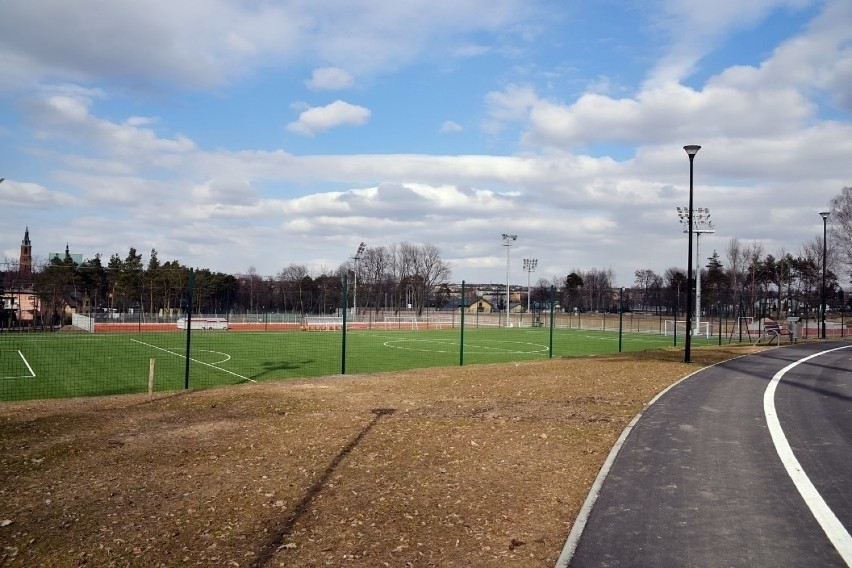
(746, 463)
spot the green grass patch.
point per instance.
(50, 365)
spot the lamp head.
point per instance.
(824, 214)
(692, 149)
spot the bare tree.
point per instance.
(373, 271)
(597, 284)
(431, 270)
(840, 226)
(645, 279)
(754, 256)
(737, 262)
(290, 280)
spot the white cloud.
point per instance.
(319, 119)
(202, 44)
(329, 79)
(23, 195)
(666, 113)
(66, 115)
(450, 126)
(767, 153)
(140, 121)
(772, 99)
(695, 28)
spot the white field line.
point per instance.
(834, 529)
(27, 363)
(193, 360)
(32, 374)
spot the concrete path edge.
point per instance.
(583, 516)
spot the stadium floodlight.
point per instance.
(356, 258)
(824, 215)
(690, 150)
(701, 223)
(529, 265)
(508, 240)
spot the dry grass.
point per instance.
(478, 465)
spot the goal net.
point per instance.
(414, 322)
(699, 328)
(85, 323)
(398, 322)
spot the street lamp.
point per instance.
(356, 258)
(529, 265)
(701, 223)
(691, 150)
(508, 240)
(824, 215)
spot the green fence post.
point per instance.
(188, 326)
(719, 308)
(343, 338)
(461, 324)
(620, 316)
(676, 310)
(552, 303)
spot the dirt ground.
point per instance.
(476, 465)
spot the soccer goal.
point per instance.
(700, 328)
(399, 322)
(85, 323)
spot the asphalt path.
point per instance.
(746, 463)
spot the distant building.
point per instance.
(75, 258)
(25, 262)
(18, 302)
(480, 305)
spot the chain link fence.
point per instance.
(134, 351)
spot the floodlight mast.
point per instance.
(508, 241)
(701, 223)
(529, 265)
(356, 258)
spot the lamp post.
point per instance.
(529, 265)
(508, 240)
(824, 215)
(691, 150)
(356, 258)
(701, 223)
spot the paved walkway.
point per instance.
(746, 463)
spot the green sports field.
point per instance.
(49, 365)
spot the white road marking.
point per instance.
(834, 529)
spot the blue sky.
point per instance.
(237, 134)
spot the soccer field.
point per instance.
(49, 365)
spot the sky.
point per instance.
(241, 135)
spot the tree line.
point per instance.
(747, 279)
(400, 276)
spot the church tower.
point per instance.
(25, 263)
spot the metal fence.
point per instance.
(115, 353)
